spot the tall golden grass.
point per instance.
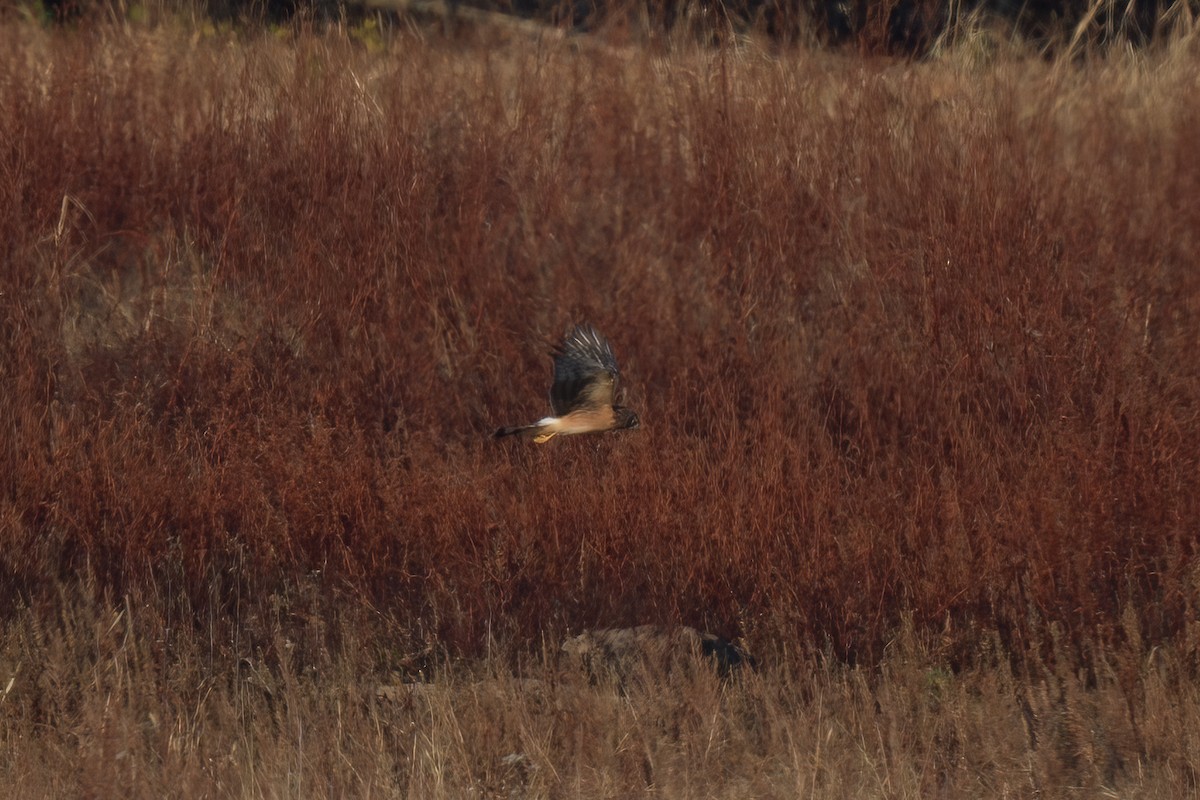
(107, 701)
(912, 344)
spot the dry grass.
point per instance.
(106, 702)
(912, 345)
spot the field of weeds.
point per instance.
(914, 347)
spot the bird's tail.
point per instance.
(510, 431)
(537, 431)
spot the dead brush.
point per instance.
(901, 344)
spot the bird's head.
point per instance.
(626, 418)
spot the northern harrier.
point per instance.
(581, 397)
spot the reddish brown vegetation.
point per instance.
(913, 347)
(901, 339)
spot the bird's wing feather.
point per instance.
(585, 372)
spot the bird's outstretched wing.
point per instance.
(585, 372)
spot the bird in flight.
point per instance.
(581, 397)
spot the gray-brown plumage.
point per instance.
(581, 396)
